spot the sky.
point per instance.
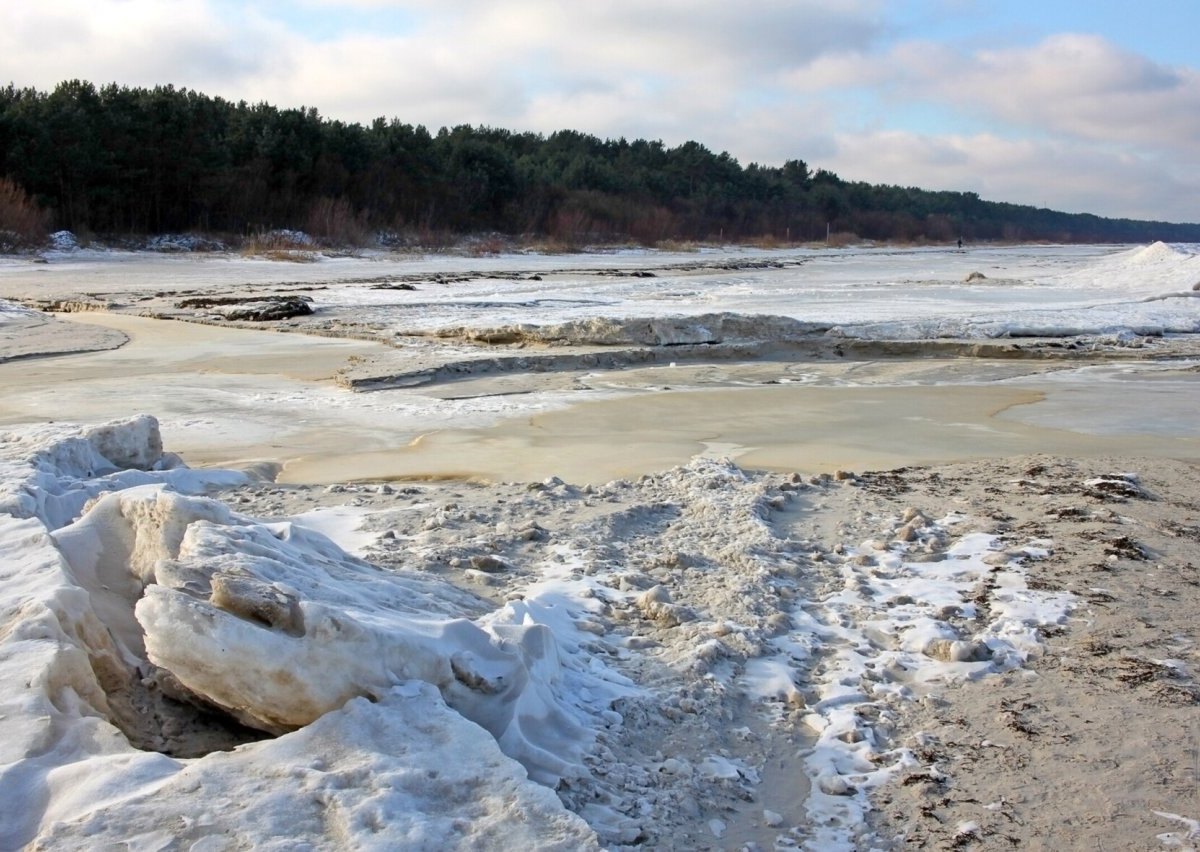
(1085, 106)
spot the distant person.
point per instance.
(960, 242)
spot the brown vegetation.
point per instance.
(22, 222)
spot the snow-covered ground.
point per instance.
(195, 658)
(875, 294)
(1016, 291)
(127, 595)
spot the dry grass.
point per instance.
(677, 245)
(290, 256)
(281, 245)
(841, 239)
(23, 223)
(770, 241)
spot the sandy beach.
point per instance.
(802, 592)
(1091, 743)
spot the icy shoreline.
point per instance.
(695, 609)
(700, 657)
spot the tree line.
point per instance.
(120, 160)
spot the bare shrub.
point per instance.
(437, 239)
(653, 225)
(487, 246)
(22, 222)
(334, 222)
(570, 227)
(841, 239)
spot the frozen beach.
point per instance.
(728, 549)
(477, 354)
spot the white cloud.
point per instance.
(1087, 87)
(1079, 85)
(1062, 175)
(143, 42)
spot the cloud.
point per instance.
(1059, 174)
(1072, 121)
(1078, 85)
(143, 42)
(679, 36)
(1085, 86)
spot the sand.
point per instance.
(1098, 742)
(1086, 746)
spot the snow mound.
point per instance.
(1147, 271)
(51, 472)
(405, 772)
(183, 243)
(1155, 253)
(64, 241)
(132, 635)
(285, 238)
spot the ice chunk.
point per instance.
(405, 772)
(393, 768)
(277, 626)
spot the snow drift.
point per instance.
(155, 619)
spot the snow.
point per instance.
(359, 669)
(876, 295)
(340, 524)
(862, 293)
(10, 311)
(404, 772)
(63, 241)
(894, 627)
(1186, 839)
